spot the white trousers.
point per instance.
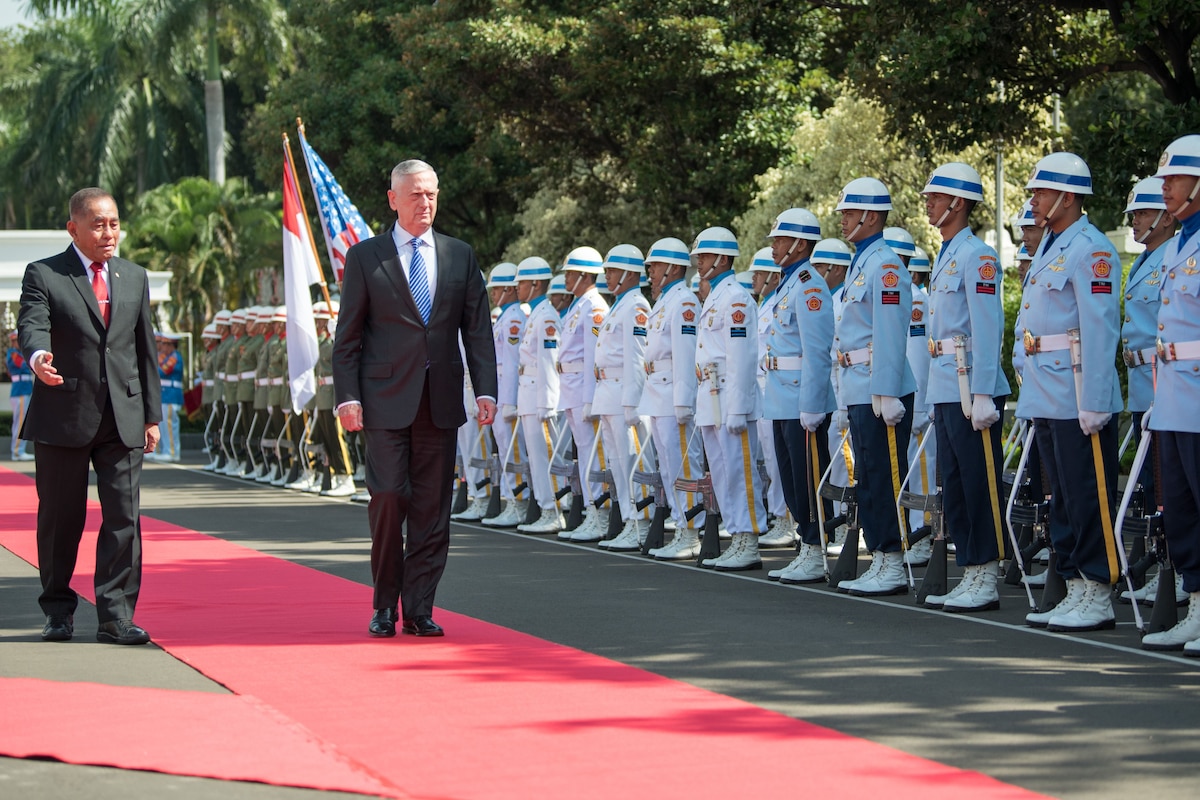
(584, 433)
(776, 505)
(731, 461)
(506, 435)
(621, 444)
(541, 439)
(680, 454)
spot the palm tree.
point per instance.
(183, 32)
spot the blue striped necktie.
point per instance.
(418, 283)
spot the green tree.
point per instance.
(214, 240)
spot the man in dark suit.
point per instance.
(408, 295)
(85, 330)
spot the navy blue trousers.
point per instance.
(1180, 454)
(880, 462)
(971, 483)
(794, 451)
(1083, 482)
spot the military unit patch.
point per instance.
(737, 333)
(1101, 269)
(814, 304)
(890, 298)
(987, 271)
(917, 315)
(1101, 287)
(689, 315)
(738, 318)
(891, 279)
(985, 288)
(639, 318)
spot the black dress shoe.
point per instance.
(423, 626)
(121, 631)
(383, 623)
(59, 628)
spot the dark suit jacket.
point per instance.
(383, 353)
(59, 313)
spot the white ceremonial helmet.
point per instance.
(957, 180)
(868, 194)
(763, 262)
(584, 259)
(900, 241)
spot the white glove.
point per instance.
(920, 423)
(684, 415)
(587, 412)
(891, 409)
(508, 412)
(735, 423)
(544, 414)
(1093, 421)
(810, 422)
(983, 412)
(631, 416)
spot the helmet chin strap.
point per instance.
(861, 220)
(711, 270)
(942, 219)
(1146, 234)
(1191, 196)
(1053, 210)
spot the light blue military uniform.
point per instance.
(1072, 283)
(1140, 330)
(871, 338)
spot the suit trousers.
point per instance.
(410, 475)
(972, 484)
(800, 474)
(880, 461)
(1083, 482)
(62, 486)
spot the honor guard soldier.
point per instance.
(876, 381)
(538, 391)
(967, 387)
(258, 422)
(831, 260)
(1174, 419)
(210, 339)
(798, 398)
(727, 402)
(577, 382)
(669, 394)
(22, 387)
(1070, 310)
(1153, 226)
(507, 333)
(1031, 236)
(620, 374)
(781, 530)
(326, 430)
(232, 428)
(277, 395)
(217, 422)
(917, 350)
(558, 295)
(170, 375)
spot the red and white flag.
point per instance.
(300, 272)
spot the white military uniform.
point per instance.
(507, 333)
(470, 443)
(924, 475)
(538, 398)
(727, 365)
(776, 505)
(577, 381)
(671, 383)
(620, 375)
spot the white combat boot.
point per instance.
(1093, 612)
(746, 558)
(303, 482)
(782, 533)
(684, 546)
(1185, 632)
(551, 521)
(512, 515)
(919, 554)
(1039, 619)
(808, 567)
(593, 528)
(270, 474)
(627, 540)
(889, 577)
(341, 486)
(939, 600)
(474, 511)
(735, 544)
(980, 595)
(1149, 593)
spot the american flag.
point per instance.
(342, 223)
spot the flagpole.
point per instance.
(291, 164)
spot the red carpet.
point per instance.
(485, 713)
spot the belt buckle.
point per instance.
(843, 360)
(648, 367)
(597, 372)
(558, 367)
(1130, 357)
(699, 373)
(772, 362)
(1031, 343)
(933, 347)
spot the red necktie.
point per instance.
(101, 289)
